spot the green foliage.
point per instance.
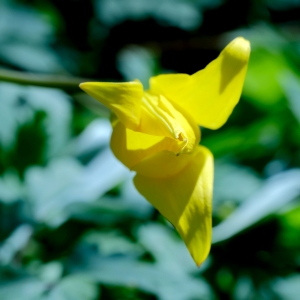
(72, 225)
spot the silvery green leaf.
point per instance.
(94, 137)
(182, 14)
(74, 287)
(168, 249)
(136, 63)
(287, 288)
(25, 289)
(111, 243)
(271, 197)
(165, 284)
(35, 58)
(244, 180)
(18, 106)
(11, 187)
(244, 289)
(131, 197)
(57, 105)
(55, 189)
(14, 243)
(23, 24)
(44, 185)
(12, 114)
(51, 272)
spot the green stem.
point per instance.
(53, 81)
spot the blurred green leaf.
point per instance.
(56, 188)
(263, 88)
(291, 86)
(245, 181)
(11, 187)
(287, 288)
(274, 194)
(168, 250)
(14, 243)
(176, 13)
(74, 287)
(94, 137)
(51, 272)
(26, 289)
(244, 289)
(13, 113)
(31, 57)
(258, 138)
(21, 23)
(57, 106)
(289, 235)
(137, 63)
(147, 277)
(112, 243)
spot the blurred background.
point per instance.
(72, 225)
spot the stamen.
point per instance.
(182, 137)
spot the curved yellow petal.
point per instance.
(159, 117)
(162, 164)
(209, 95)
(124, 99)
(186, 201)
(131, 147)
(155, 120)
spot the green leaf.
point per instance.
(165, 284)
(25, 289)
(74, 287)
(274, 194)
(15, 243)
(287, 288)
(182, 14)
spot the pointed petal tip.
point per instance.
(241, 40)
(199, 263)
(239, 48)
(85, 85)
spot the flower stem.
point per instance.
(53, 81)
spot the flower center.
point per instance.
(160, 118)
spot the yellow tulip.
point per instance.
(156, 133)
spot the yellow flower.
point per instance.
(156, 133)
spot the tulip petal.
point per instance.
(159, 117)
(186, 201)
(124, 99)
(162, 164)
(131, 147)
(209, 95)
